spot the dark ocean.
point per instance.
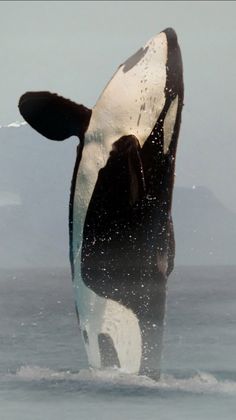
(43, 366)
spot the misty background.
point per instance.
(73, 48)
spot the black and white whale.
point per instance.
(122, 244)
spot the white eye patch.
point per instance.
(169, 124)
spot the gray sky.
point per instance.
(73, 48)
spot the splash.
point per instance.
(199, 383)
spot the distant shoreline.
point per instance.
(65, 271)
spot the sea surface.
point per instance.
(43, 367)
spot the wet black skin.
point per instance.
(128, 230)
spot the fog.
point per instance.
(73, 48)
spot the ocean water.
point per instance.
(43, 366)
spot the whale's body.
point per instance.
(121, 232)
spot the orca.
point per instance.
(122, 244)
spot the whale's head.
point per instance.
(147, 87)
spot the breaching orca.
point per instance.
(121, 232)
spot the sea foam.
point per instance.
(199, 383)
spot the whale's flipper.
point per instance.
(109, 220)
(53, 116)
(127, 149)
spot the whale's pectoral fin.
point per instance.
(129, 148)
(53, 116)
